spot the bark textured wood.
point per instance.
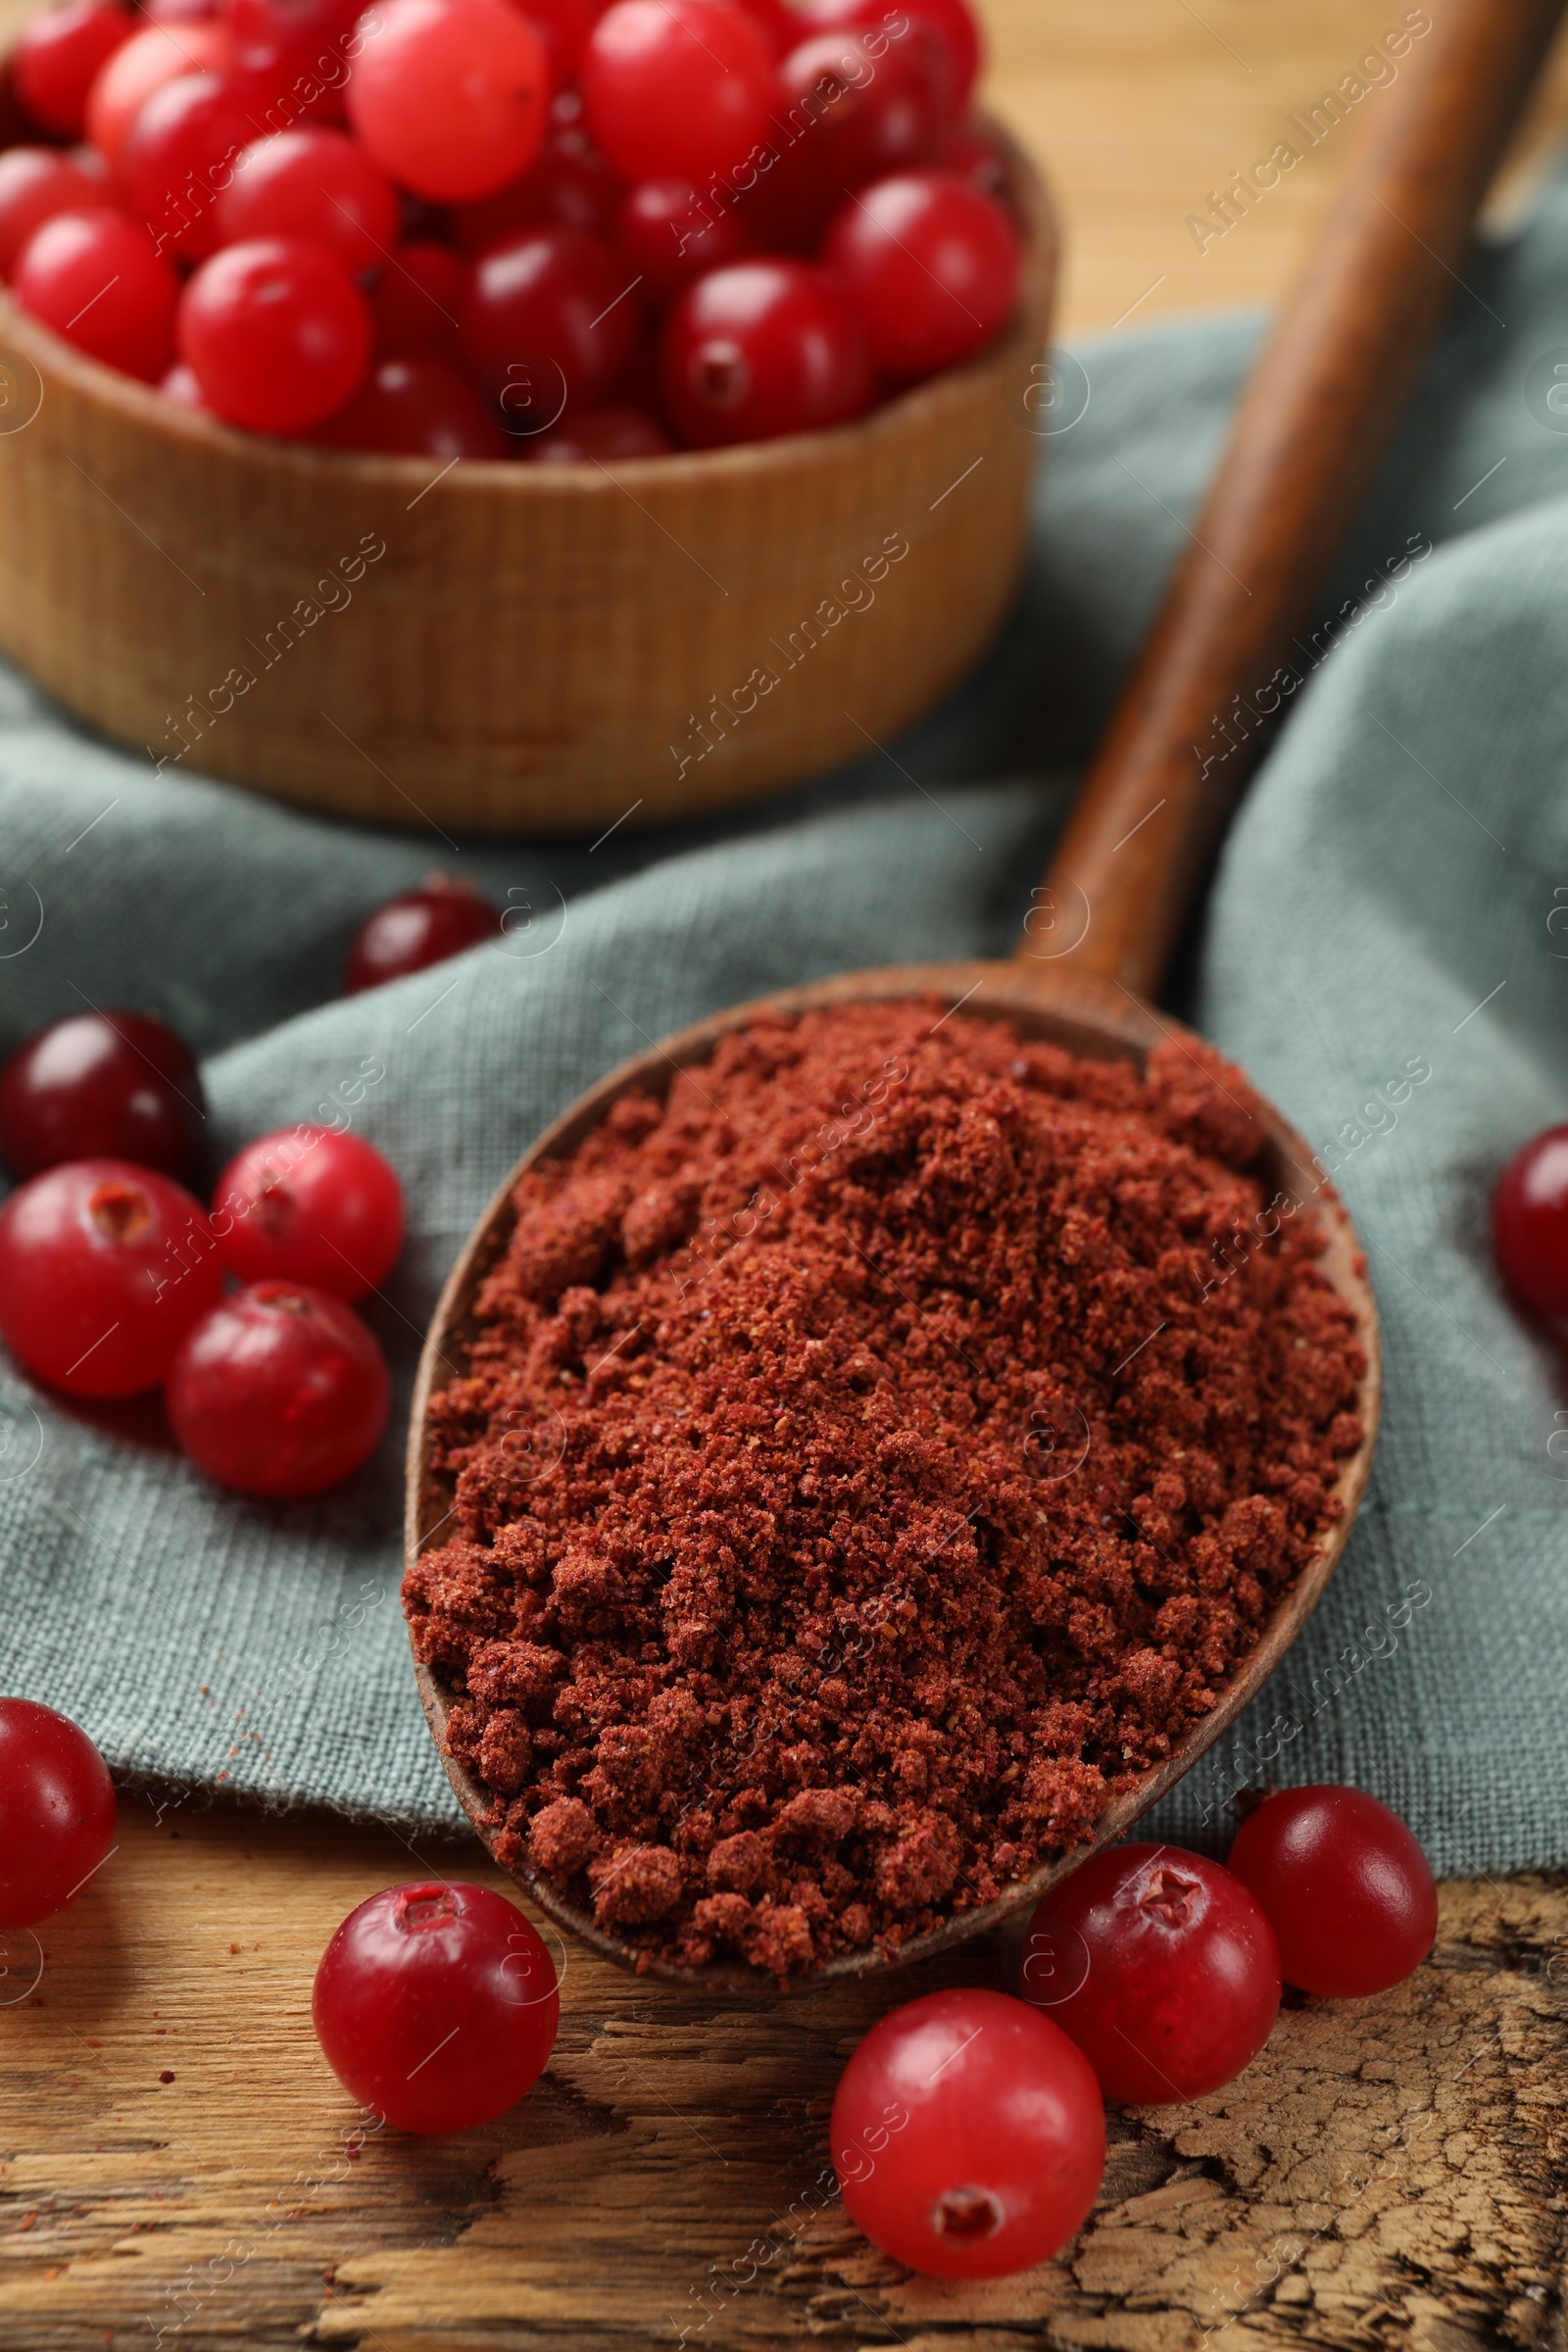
(1388, 2171)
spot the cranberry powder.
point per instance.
(860, 1469)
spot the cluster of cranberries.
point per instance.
(465, 228)
(112, 1276)
(968, 2129)
(1530, 1224)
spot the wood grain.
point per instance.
(1313, 422)
(1073, 1008)
(1388, 2172)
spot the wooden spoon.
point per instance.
(1313, 422)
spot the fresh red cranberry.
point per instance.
(36, 183)
(418, 928)
(436, 2006)
(449, 96)
(861, 114)
(414, 303)
(103, 1086)
(1530, 1223)
(969, 2136)
(159, 53)
(670, 233)
(949, 22)
(310, 1204)
(762, 348)
(312, 183)
(1161, 1968)
(603, 434)
(553, 303)
(931, 264)
(295, 54)
(56, 59)
(57, 1811)
(567, 185)
(279, 1390)
(678, 88)
(94, 277)
(276, 332)
(178, 154)
(419, 407)
(104, 1267)
(1346, 1888)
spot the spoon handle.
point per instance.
(1312, 424)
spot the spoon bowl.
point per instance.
(1091, 1018)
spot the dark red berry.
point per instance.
(1345, 1887)
(602, 434)
(414, 303)
(670, 233)
(553, 302)
(1161, 1966)
(309, 1204)
(103, 1086)
(104, 1267)
(313, 183)
(419, 407)
(969, 2136)
(762, 348)
(865, 113)
(157, 54)
(567, 185)
(57, 1811)
(279, 1390)
(436, 2006)
(678, 88)
(177, 156)
(931, 265)
(419, 928)
(1530, 1223)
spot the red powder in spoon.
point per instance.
(859, 1470)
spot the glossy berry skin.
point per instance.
(414, 303)
(181, 386)
(564, 26)
(1530, 1223)
(309, 1204)
(555, 295)
(1346, 1886)
(670, 234)
(449, 96)
(931, 264)
(419, 927)
(103, 1086)
(868, 114)
(155, 55)
(762, 348)
(1161, 1966)
(677, 90)
(949, 24)
(279, 1390)
(57, 58)
(277, 333)
(104, 1267)
(57, 1811)
(603, 434)
(416, 408)
(436, 2005)
(94, 277)
(969, 2136)
(313, 183)
(35, 184)
(177, 157)
(298, 51)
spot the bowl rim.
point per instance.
(143, 407)
(1081, 1014)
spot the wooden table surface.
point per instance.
(178, 2168)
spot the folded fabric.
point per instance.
(1385, 951)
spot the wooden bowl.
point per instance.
(1089, 1017)
(508, 646)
